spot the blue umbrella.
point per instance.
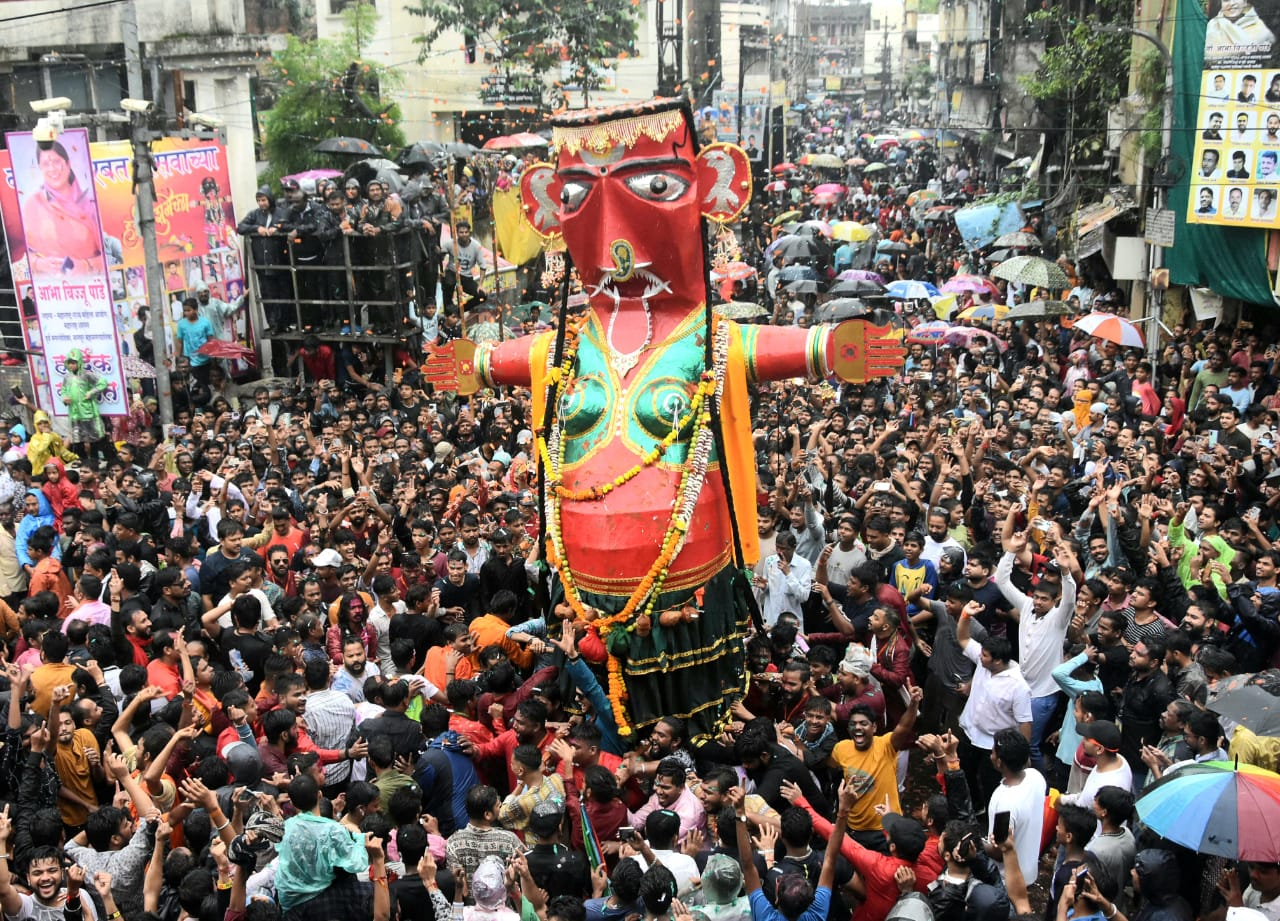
(912, 290)
(798, 273)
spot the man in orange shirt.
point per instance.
(284, 534)
(165, 669)
(47, 575)
(78, 761)
(491, 629)
(453, 661)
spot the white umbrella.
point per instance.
(1112, 328)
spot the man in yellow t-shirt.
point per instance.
(870, 763)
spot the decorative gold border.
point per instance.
(625, 131)
(678, 580)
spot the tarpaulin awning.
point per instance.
(1091, 217)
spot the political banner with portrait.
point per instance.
(1235, 171)
(195, 230)
(67, 298)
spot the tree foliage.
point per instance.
(919, 81)
(534, 36)
(323, 88)
(1084, 71)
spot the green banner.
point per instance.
(1231, 261)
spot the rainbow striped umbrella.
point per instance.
(1217, 808)
(589, 840)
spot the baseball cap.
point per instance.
(907, 835)
(291, 185)
(326, 557)
(1098, 408)
(1104, 732)
(443, 450)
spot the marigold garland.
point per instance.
(692, 475)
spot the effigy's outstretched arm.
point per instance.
(854, 351)
(463, 366)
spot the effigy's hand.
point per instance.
(452, 367)
(862, 351)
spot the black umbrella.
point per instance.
(356, 147)
(460, 149)
(365, 171)
(798, 247)
(1252, 707)
(798, 273)
(423, 153)
(886, 318)
(842, 308)
(804, 286)
(855, 287)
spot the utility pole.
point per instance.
(145, 199)
(886, 76)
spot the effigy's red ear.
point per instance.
(724, 182)
(540, 194)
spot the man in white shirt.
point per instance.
(938, 538)
(784, 580)
(1021, 793)
(999, 699)
(1043, 619)
(662, 829)
(846, 554)
(1101, 740)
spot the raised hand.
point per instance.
(790, 792)
(75, 881)
(905, 877)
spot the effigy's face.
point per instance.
(630, 218)
(628, 195)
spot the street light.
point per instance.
(145, 195)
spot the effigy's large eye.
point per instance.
(572, 195)
(657, 186)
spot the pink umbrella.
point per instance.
(737, 271)
(970, 284)
(965, 335)
(515, 141)
(826, 198)
(860, 275)
(828, 188)
(825, 129)
(220, 348)
(314, 175)
(778, 185)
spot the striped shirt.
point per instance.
(330, 717)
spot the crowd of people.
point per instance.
(294, 658)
